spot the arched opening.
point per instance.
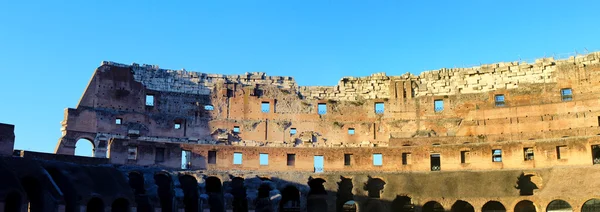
(559, 206)
(402, 204)
(189, 185)
(66, 186)
(95, 205)
(493, 206)
(215, 195)
(165, 191)
(344, 193)
(374, 187)
(120, 205)
(34, 191)
(349, 206)
(263, 202)
(136, 182)
(433, 206)
(12, 203)
(238, 190)
(592, 205)
(462, 206)
(290, 199)
(316, 200)
(84, 147)
(525, 206)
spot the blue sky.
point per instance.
(49, 50)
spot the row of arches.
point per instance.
(97, 205)
(592, 205)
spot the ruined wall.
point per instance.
(7, 139)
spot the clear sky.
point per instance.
(49, 49)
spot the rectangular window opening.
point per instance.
(561, 152)
(209, 107)
(265, 107)
(465, 156)
(438, 105)
(347, 159)
(186, 159)
(291, 159)
(132, 153)
(318, 162)
(497, 155)
(406, 158)
(293, 131)
(528, 153)
(377, 159)
(350, 131)
(566, 94)
(379, 107)
(237, 158)
(160, 154)
(322, 108)
(264, 159)
(596, 154)
(435, 162)
(118, 121)
(149, 100)
(499, 99)
(177, 126)
(236, 129)
(212, 157)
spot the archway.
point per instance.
(493, 206)
(189, 185)
(290, 199)
(34, 191)
(165, 191)
(344, 193)
(433, 206)
(84, 147)
(136, 182)
(238, 190)
(316, 200)
(559, 206)
(349, 206)
(66, 186)
(374, 187)
(462, 206)
(525, 206)
(263, 202)
(592, 205)
(215, 195)
(402, 204)
(95, 205)
(120, 205)
(13, 203)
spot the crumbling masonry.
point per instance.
(500, 137)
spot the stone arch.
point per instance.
(591, 205)
(69, 193)
(350, 206)
(95, 205)
(84, 144)
(374, 187)
(263, 201)
(165, 191)
(136, 182)
(290, 199)
(462, 206)
(493, 206)
(344, 193)
(13, 202)
(559, 205)
(189, 184)
(214, 190)
(238, 191)
(525, 206)
(433, 206)
(402, 204)
(33, 189)
(316, 200)
(120, 205)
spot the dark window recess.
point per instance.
(596, 154)
(464, 156)
(566, 94)
(347, 159)
(528, 153)
(405, 158)
(291, 159)
(561, 152)
(212, 157)
(160, 155)
(499, 99)
(435, 162)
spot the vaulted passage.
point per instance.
(120, 205)
(34, 194)
(290, 199)
(189, 185)
(525, 206)
(136, 182)
(402, 204)
(95, 205)
(70, 195)
(592, 205)
(165, 191)
(263, 202)
(493, 206)
(317, 196)
(433, 206)
(344, 193)
(215, 194)
(559, 206)
(462, 206)
(13, 202)
(238, 190)
(349, 206)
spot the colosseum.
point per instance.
(509, 136)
